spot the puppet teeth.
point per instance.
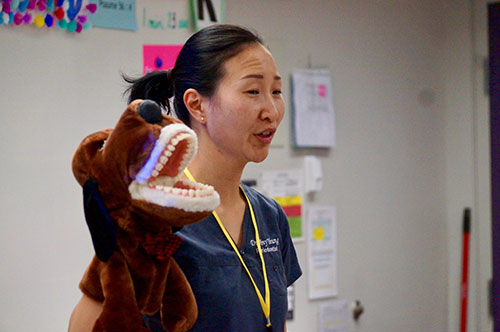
(179, 138)
(158, 189)
(166, 197)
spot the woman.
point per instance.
(227, 88)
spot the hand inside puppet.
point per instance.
(132, 199)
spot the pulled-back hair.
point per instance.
(199, 65)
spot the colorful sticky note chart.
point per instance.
(159, 57)
(292, 205)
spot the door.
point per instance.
(494, 79)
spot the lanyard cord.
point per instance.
(265, 304)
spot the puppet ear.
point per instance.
(85, 152)
(99, 221)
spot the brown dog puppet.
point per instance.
(132, 199)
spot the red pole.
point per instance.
(465, 270)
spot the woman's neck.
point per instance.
(220, 173)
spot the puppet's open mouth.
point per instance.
(158, 180)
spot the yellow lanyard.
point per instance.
(265, 304)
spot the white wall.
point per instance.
(457, 53)
(56, 88)
(386, 176)
(467, 157)
(407, 158)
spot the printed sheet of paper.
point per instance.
(285, 186)
(312, 105)
(333, 316)
(322, 251)
(115, 14)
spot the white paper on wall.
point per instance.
(322, 251)
(333, 316)
(312, 105)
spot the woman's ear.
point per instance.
(194, 104)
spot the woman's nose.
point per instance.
(270, 110)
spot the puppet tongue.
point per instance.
(171, 168)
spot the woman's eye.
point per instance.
(277, 92)
(253, 92)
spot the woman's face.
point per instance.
(247, 107)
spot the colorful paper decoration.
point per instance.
(69, 15)
(292, 205)
(159, 57)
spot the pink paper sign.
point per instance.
(159, 57)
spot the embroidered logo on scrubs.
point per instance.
(267, 245)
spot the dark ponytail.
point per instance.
(157, 86)
(199, 65)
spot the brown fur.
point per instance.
(132, 281)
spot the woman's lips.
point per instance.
(266, 136)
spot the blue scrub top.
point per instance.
(226, 298)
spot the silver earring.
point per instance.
(202, 119)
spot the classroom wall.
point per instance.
(408, 156)
(457, 53)
(464, 64)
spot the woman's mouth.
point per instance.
(266, 136)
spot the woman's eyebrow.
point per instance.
(259, 76)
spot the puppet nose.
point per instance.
(150, 111)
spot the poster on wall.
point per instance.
(159, 57)
(322, 252)
(313, 115)
(115, 14)
(285, 186)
